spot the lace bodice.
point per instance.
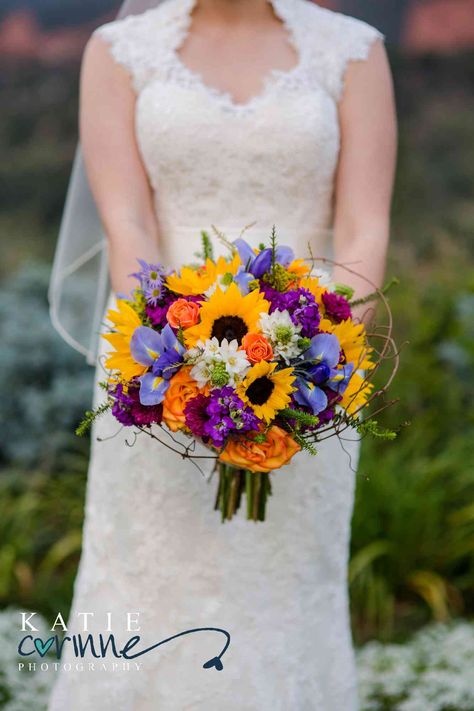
(212, 161)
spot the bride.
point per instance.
(226, 112)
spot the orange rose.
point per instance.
(257, 347)
(182, 388)
(183, 313)
(276, 451)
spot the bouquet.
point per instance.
(252, 355)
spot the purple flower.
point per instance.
(196, 415)
(218, 415)
(300, 304)
(337, 306)
(160, 351)
(259, 264)
(218, 429)
(329, 412)
(151, 278)
(128, 410)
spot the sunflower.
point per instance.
(265, 390)
(192, 282)
(228, 314)
(352, 337)
(124, 321)
(356, 394)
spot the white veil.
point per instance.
(79, 282)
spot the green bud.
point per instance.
(344, 290)
(219, 375)
(283, 334)
(278, 278)
(304, 343)
(227, 279)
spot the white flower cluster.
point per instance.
(20, 690)
(434, 671)
(281, 333)
(218, 363)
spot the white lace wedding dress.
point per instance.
(152, 542)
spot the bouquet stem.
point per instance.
(232, 484)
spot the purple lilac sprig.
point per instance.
(300, 304)
(216, 416)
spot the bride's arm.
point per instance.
(366, 171)
(115, 170)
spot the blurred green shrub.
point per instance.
(40, 532)
(413, 525)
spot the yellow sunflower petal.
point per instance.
(229, 303)
(353, 340)
(124, 322)
(279, 395)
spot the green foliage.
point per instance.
(301, 418)
(40, 533)
(90, 417)
(413, 525)
(372, 428)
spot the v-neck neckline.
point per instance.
(283, 10)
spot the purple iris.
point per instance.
(260, 264)
(163, 353)
(321, 360)
(243, 279)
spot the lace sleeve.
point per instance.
(354, 41)
(129, 44)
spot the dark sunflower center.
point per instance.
(260, 390)
(230, 327)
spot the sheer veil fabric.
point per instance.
(79, 284)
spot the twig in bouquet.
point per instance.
(132, 444)
(223, 239)
(311, 258)
(247, 227)
(184, 454)
(348, 454)
(112, 436)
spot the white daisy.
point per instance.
(235, 359)
(201, 372)
(210, 353)
(282, 333)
